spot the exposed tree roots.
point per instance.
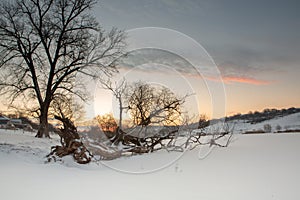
(70, 144)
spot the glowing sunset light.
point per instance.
(240, 79)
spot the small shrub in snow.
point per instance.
(278, 128)
(267, 128)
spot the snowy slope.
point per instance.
(289, 122)
(264, 166)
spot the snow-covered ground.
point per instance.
(264, 166)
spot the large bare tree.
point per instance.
(46, 44)
(153, 105)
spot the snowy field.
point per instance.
(261, 166)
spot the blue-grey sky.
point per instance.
(255, 44)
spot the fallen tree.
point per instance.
(70, 144)
(176, 138)
(137, 141)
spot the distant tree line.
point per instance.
(266, 114)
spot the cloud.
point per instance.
(151, 60)
(164, 62)
(248, 80)
(244, 72)
(240, 79)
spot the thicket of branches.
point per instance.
(157, 121)
(153, 105)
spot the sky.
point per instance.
(255, 45)
(235, 56)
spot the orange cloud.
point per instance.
(240, 79)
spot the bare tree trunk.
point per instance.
(44, 127)
(121, 113)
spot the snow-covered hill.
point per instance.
(283, 124)
(261, 166)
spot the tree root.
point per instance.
(70, 144)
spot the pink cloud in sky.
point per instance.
(240, 79)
